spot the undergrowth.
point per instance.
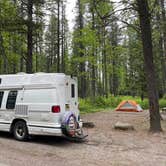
(101, 103)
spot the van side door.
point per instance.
(7, 109)
(1, 101)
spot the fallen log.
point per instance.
(88, 124)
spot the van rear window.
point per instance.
(1, 97)
(11, 100)
(72, 91)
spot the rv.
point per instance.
(39, 104)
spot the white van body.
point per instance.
(31, 98)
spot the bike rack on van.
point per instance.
(80, 138)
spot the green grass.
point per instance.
(110, 103)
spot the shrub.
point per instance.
(164, 97)
(144, 104)
(162, 103)
(99, 103)
(84, 105)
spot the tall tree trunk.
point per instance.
(161, 50)
(63, 39)
(36, 51)
(21, 62)
(145, 25)
(3, 52)
(114, 42)
(29, 37)
(114, 77)
(105, 62)
(163, 65)
(58, 38)
(21, 56)
(21, 43)
(163, 32)
(81, 54)
(163, 24)
(93, 82)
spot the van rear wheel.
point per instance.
(20, 131)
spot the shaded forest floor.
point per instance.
(125, 148)
(104, 146)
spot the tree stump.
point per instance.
(123, 126)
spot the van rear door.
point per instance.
(72, 95)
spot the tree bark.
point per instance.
(146, 34)
(63, 39)
(58, 38)
(93, 82)
(105, 62)
(81, 54)
(114, 42)
(29, 37)
(163, 37)
(21, 43)
(3, 52)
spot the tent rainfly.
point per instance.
(129, 106)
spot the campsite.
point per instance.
(105, 145)
(82, 83)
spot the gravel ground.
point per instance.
(104, 146)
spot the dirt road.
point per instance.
(105, 146)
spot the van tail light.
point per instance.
(56, 109)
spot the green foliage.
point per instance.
(101, 53)
(164, 97)
(100, 103)
(162, 103)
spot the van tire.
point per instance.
(20, 131)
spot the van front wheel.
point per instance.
(20, 131)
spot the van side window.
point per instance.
(1, 97)
(11, 100)
(72, 90)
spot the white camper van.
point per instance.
(39, 104)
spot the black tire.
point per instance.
(20, 131)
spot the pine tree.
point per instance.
(145, 25)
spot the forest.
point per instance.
(116, 48)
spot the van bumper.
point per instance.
(45, 130)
